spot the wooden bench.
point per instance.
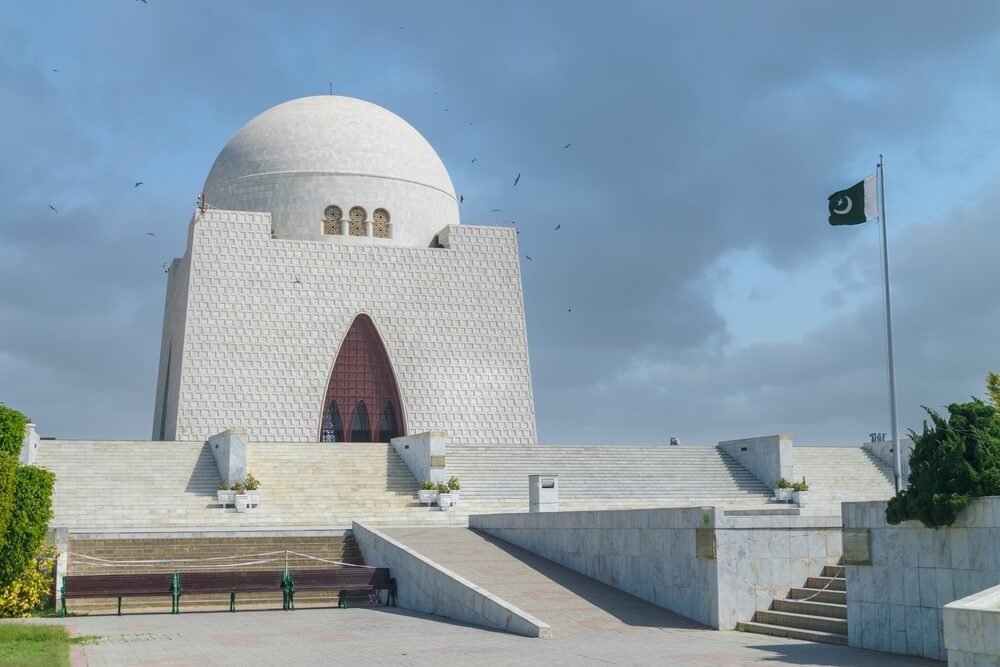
(119, 586)
(342, 579)
(263, 581)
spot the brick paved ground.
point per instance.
(379, 636)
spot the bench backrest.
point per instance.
(230, 582)
(118, 584)
(377, 577)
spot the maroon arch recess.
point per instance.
(361, 374)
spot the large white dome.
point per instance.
(300, 158)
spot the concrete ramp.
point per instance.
(571, 603)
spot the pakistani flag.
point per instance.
(856, 204)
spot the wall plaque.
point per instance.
(704, 543)
(857, 546)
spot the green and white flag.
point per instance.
(856, 204)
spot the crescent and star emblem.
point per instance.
(840, 202)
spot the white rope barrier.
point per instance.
(213, 565)
(176, 560)
(208, 562)
(335, 562)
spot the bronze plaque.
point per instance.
(857, 546)
(704, 543)
(437, 461)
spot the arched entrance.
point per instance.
(362, 400)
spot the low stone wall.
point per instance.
(427, 587)
(972, 630)
(895, 603)
(768, 458)
(697, 562)
(423, 454)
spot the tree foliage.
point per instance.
(11, 430)
(32, 589)
(993, 388)
(29, 521)
(8, 470)
(953, 461)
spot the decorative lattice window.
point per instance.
(332, 217)
(361, 425)
(380, 220)
(362, 377)
(358, 216)
(333, 425)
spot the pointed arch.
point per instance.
(363, 383)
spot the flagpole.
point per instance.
(897, 470)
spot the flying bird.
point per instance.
(55, 70)
(138, 183)
(567, 145)
(474, 159)
(142, 1)
(166, 269)
(527, 257)
(557, 227)
(569, 310)
(53, 208)
(150, 234)
(516, 180)
(461, 198)
(497, 210)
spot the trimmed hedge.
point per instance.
(11, 430)
(8, 470)
(953, 461)
(28, 522)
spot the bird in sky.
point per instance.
(516, 180)
(474, 159)
(55, 70)
(557, 227)
(53, 208)
(446, 109)
(567, 145)
(142, 1)
(166, 269)
(569, 310)
(151, 234)
(528, 257)
(138, 183)
(497, 210)
(461, 198)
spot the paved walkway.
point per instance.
(380, 636)
(571, 603)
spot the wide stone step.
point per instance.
(811, 608)
(833, 597)
(836, 571)
(793, 633)
(827, 583)
(802, 621)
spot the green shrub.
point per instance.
(953, 461)
(8, 470)
(28, 523)
(32, 589)
(11, 430)
(784, 483)
(427, 485)
(251, 483)
(453, 484)
(801, 487)
(443, 488)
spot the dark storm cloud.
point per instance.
(696, 131)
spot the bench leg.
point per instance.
(291, 600)
(64, 604)
(342, 600)
(119, 605)
(232, 601)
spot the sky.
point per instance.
(709, 297)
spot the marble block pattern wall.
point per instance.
(895, 604)
(256, 329)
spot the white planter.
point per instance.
(444, 501)
(242, 502)
(783, 495)
(801, 498)
(253, 498)
(226, 497)
(427, 496)
(454, 497)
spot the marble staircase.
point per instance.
(815, 612)
(838, 474)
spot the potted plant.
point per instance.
(225, 494)
(444, 496)
(252, 484)
(242, 500)
(453, 487)
(783, 492)
(800, 493)
(428, 492)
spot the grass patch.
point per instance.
(25, 645)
